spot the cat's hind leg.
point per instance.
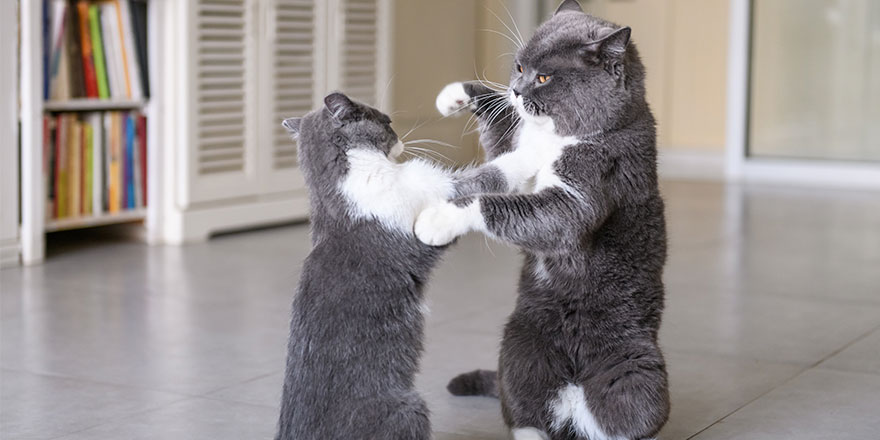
(629, 399)
(400, 416)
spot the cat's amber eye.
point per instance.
(519, 67)
(543, 78)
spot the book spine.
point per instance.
(114, 163)
(57, 18)
(130, 158)
(97, 163)
(61, 167)
(106, 148)
(142, 144)
(98, 50)
(74, 142)
(47, 48)
(138, 10)
(86, 174)
(126, 55)
(74, 52)
(129, 43)
(111, 52)
(49, 164)
(90, 78)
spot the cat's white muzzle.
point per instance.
(396, 150)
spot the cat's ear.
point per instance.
(569, 5)
(609, 49)
(611, 45)
(293, 126)
(339, 105)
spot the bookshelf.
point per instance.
(59, 82)
(91, 105)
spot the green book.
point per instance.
(98, 50)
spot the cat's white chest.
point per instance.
(543, 147)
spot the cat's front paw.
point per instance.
(439, 224)
(452, 99)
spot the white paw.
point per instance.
(439, 224)
(452, 99)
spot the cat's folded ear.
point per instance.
(569, 5)
(339, 105)
(293, 126)
(610, 48)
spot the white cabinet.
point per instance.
(246, 65)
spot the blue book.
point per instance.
(129, 160)
(47, 49)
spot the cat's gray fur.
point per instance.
(356, 327)
(590, 293)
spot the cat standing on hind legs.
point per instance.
(576, 188)
(357, 323)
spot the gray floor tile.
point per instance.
(191, 419)
(861, 356)
(817, 405)
(704, 388)
(762, 327)
(35, 406)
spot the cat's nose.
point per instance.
(516, 93)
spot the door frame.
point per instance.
(739, 166)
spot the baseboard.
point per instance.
(197, 224)
(814, 174)
(10, 253)
(682, 164)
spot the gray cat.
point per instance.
(572, 181)
(357, 321)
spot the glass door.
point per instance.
(815, 80)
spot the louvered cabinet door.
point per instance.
(221, 97)
(291, 85)
(361, 61)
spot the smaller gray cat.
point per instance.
(357, 322)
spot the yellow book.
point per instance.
(61, 192)
(113, 177)
(74, 142)
(88, 151)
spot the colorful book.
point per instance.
(89, 76)
(59, 9)
(98, 51)
(97, 129)
(74, 53)
(138, 10)
(47, 48)
(115, 195)
(142, 146)
(87, 168)
(112, 55)
(126, 48)
(74, 172)
(131, 176)
(61, 167)
(105, 148)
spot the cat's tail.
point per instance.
(474, 383)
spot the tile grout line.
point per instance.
(795, 376)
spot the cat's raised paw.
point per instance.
(439, 224)
(452, 99)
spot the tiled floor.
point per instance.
(772, 329)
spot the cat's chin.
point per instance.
(539, 120)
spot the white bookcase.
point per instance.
(223, 74)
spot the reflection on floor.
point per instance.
(772, 329)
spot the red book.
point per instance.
(59, 164)
(142, 145)
(91, 80)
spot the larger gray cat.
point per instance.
(357, 324)
(574, 137)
